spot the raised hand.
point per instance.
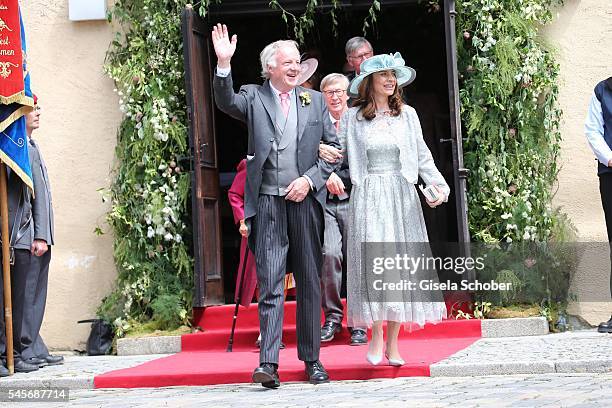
(224, 47)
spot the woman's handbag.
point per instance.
(100, 339)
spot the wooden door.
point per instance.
(460, 173)
(208, 272)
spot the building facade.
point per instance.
(80, 117)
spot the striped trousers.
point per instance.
(288, 236)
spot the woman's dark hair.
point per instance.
(365, 99)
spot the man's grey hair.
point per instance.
(267, 56)
(333, 78)
(354, 44)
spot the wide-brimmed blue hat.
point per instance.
(383, 62)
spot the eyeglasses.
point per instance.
(338, 92)
(37, 108)
(362, 57)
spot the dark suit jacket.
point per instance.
(255, 106)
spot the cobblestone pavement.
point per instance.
(76, 372)
(570, 352)
(549, 390)
(577, 345)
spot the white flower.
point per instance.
(150, 232)
(178, 238)
(168, 237)
(505, 216)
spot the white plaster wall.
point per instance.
(582, 35)
(79, 121)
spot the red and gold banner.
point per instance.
(11, 57)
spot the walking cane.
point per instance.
(238, 298)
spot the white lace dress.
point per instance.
(386, 155)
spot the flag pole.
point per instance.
(6, 271)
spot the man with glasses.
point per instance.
(334, 88)
(357, 50)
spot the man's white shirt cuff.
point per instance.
(223, 72)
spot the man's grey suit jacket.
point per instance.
(42, 207)
(255, 105)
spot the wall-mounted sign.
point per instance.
(79, 10)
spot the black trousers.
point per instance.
(288, 236)
(19, 273)
(605, 189)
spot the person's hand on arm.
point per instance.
(329, 153)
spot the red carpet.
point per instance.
(204, 360)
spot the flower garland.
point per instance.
(150, 193)
(508, 91)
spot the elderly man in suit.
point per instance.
(21, 238)
(34, 349)
(334, 89)
(284, 195)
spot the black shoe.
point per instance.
(4, 372)
(329, 330)
(359, 337)
(53, 360)
(316, 372)
(40, 362)
(267, 375)
(258, 344)
(605, 327)
(23, 367)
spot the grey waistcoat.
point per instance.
(280, 168)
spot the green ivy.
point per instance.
(509, 110)
(150, 193)
(509, 92)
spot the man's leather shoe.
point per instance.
(359, 337)
(4, 372)
(316, 372)
(23, 367)
(605, 327)
(53, 360)
(267, 375)
(36, 361)
(329, 330)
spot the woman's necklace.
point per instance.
(383, 112)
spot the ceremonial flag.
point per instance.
(15, 94)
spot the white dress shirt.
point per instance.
(594, 131)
